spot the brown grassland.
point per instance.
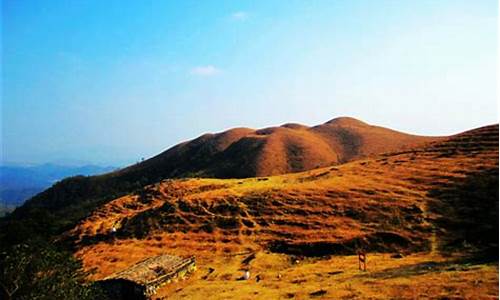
(422, 215)
(245, 152)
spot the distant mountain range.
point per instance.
(19, 183)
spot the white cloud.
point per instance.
(208, 70)
(239, 16)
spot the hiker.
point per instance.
(113, 231)
(246, 276)
(362, 260)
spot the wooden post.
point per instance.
(362, 260)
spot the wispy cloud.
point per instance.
(208, 70)
(239, 16)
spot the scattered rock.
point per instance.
(335, 272)
(248, 259)
(297, 281)
(210, 271)
(318, 293)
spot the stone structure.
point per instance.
(142, 280)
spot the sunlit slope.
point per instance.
(243, 152)
(439, 198)
(236, 153)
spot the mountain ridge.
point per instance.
(19, 182)
(236, 153)
(431, 203)
(436, 199)
(288, 148)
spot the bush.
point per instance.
(40, 271)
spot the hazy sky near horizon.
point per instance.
(109, 82)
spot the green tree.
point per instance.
(40, 271)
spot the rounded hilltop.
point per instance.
(346, 121)
(291, 147)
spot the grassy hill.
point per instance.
(436, 205)
(426, 215)
(236, 153)
(244, 152)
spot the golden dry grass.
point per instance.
(414, 277)
(417, 276)
(217, 220)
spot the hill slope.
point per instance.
(243, 152)
(436, 204)
(439, 198)
(236, 153)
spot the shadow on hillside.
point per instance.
(384, 242)
(427, 267)
(467, 214)
(95, 239)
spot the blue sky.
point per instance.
(109, 82)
